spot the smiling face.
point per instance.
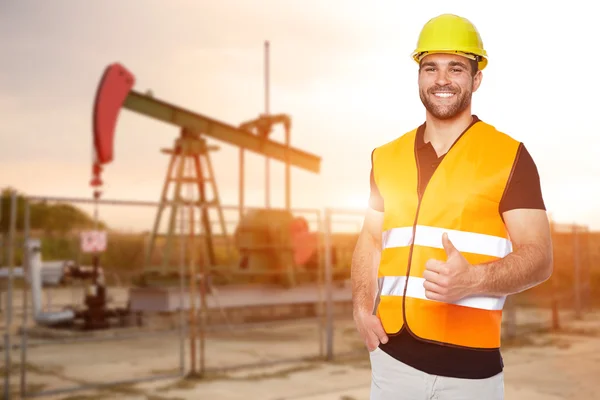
(446, 84)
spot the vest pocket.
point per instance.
(454, 324)
(390, 313)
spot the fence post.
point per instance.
(328, 286)
(587, 276)
(576, 272)
(1, 252)
(554, 285)
(511, 319)
(26, 272)
(320, 310)
(182, 282)
(9, 305)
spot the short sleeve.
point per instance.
(524, 189)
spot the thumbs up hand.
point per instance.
(449, 280)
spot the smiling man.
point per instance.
(456, 223)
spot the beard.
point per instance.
(446, 109)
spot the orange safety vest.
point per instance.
(462, 199)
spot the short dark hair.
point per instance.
(474, 66)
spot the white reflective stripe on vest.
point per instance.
(394, 286)
(429, 236)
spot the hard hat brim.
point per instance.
(418, 55)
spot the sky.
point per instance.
(341, 69)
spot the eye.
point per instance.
(457, 70)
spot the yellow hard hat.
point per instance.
(449, 33)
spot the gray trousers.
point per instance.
(393, 380)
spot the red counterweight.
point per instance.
(304, 242)
(114, 87)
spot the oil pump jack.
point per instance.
(115, 92)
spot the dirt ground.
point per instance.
(561, 365)
(545, 366)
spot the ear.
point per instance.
(477, 80)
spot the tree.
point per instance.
(50, 218)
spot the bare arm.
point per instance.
(365, 261)
(531, 261)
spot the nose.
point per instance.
(441, 78)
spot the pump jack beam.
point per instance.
(178, 116)
(115, 92)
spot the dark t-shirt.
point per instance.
(523, 191)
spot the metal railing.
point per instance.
(191, 328)
(27, 342)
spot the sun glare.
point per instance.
(358, 202)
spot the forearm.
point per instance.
(527, 266)
(365, 262)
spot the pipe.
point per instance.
(34, 273)
(34, 255)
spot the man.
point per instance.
(456, 223)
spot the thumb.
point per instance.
(448, 246)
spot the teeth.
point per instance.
(444, 94)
